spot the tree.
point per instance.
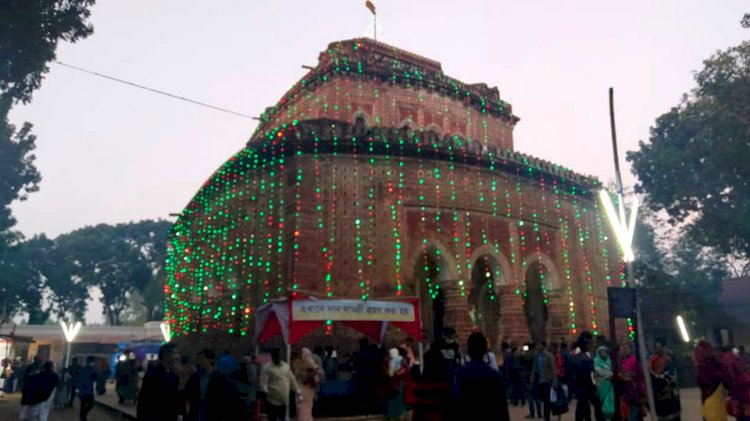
(119, 260)
(695, 164)
(150, 238)
(67, 291)
(102, 260)
(685, 280)
(30, 32)
(23, 286)
(18, 175)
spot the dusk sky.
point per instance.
(112, 153)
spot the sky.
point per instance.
(112, 153)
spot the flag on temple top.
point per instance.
(370, 5)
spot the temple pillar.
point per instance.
(512, 320)
(557, 324)
(456, 310)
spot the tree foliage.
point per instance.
(18, 175)
(30, 31)
(685, 279)
(23, 280)
(695, 164)
(118, 260)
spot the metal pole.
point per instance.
(67, 356)
(631, 279)
(375, 25)
(289, 365)
(421, 356)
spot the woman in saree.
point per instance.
(664, 382)
(603, 381)
(708, 371)
(633, 385)
(309, 375)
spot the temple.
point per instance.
(378, 176)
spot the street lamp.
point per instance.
(165, 331)
(623, 227)
(70, 331)
(624, 230)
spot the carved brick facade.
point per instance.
(366, 184)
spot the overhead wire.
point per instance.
(153, 90)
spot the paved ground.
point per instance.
(689, 399)
(9, 410)
(10, 404)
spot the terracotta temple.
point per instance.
(378, 176)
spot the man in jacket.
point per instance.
(479, 390)
(158, 399)
(543, 375)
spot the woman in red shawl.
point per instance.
(632, 384)
(708, 372)
(736, 377)
(664, 381)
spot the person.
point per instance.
(708, 371)
(5, 374)
(223, 398)
(603, 381)
(276, 381)
(72, 377)
(744, 355)
(119, 379)
(632, 383)
(319, 355)
(102, 374)
(432, 389)
(309, 376)
(30, 392)
(584, 386)
(126, 378)
(330, 364)
(556, 350)
(130, 389)
(85, 385)
(516, 376)
(365, 376)
(450, 350)
(197, 386)
(664, 383)
(543, 377)
(247, 384)
(532, 393)
(395, 382)
(412, 351)
(491, 358)
(49, 381)
(736, 376)
(158, 399)
(478, 388)
(62, 392)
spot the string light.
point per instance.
(373, 156)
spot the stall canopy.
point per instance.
(293, 318)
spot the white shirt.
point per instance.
(276, 381)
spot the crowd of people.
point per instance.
(443, 385)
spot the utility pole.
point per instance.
(631, 279)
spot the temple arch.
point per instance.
(433, 269)
(541, 277)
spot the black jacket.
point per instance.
(158, 399)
